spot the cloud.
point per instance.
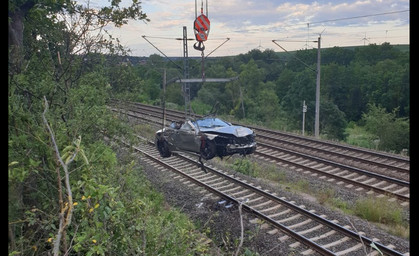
(252, 23)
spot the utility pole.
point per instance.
(316, 123)
(304, 114)
(186, 89)
(241, 99)
(164, 98)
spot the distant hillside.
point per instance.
(138, 59)
(401, 47)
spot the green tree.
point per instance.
(332, 121)
(392, 133)
(374, 53)
(337, 55)
(264, 106)
(174, 94)
(302, 88)
(250, 77)
(301, 59)
(339, 86)
(392, 85)
(52, 47)
(283, 83)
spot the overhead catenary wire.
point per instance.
(179, 38)
(162, 53)
(347, 18)
(361, 16)
(227, 39)
(305, 64)
(388, 32)
(310, 24)
(189, 39)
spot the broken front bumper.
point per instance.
(238, 148)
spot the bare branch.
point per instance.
(242, 228)
(68, 207)
(360, 238)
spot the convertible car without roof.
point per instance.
(208, 137)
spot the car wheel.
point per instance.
(208, 150)
(163, 147)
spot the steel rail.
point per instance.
(303, 211)
(314, 140)
(335, 153)
(328, 144)
(350, 168)
(313, 245)
(339, 165)
(354, 169)
(286, 230)
(335, 144)
(300, 210)
(323, 143)
(360, 184)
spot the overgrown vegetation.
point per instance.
(66, 185)
(357, 84)
(69, 193)
(378, 210)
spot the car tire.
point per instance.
(209, 150)
(163, 147)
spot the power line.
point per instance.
(179, 38)
(162, 53)
(357, 17)
(170, 38)
(305, 64)
(347, 18)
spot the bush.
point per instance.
(393, 133)
(379, 210)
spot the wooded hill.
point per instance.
(69, 192)
(355, 83)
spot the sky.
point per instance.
(239, 26)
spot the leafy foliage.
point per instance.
(389, 130)
(59, 50)
(111, 206)
(272, 87)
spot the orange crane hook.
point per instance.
(201, 27)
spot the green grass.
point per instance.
(358, 136)
(377, 210)
(387, 214)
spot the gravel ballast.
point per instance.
(222, 224)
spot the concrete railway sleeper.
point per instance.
(310, 232)
(337, 172)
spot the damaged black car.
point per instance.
(208, 137)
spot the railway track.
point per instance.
(372, 160)
(391, 165)
(303, 230)
(386, 175)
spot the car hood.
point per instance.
(238, 131)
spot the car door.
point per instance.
(186, 137)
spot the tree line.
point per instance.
(68, 190)
(355, 83)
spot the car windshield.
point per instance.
(211, 123)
